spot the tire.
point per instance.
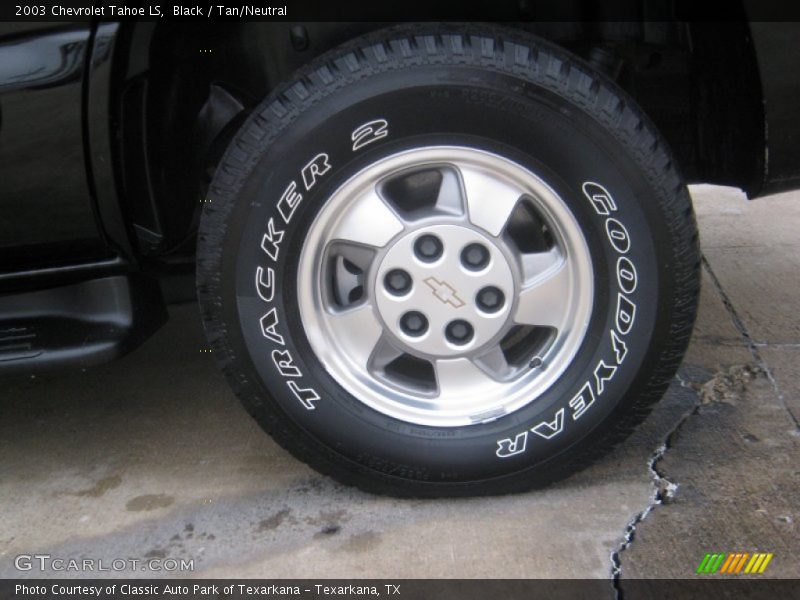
(404, 111)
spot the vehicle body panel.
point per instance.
(45, 200)
(779, 67)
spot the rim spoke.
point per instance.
(383, 354)
(450, 199)
(536, 264)
(359, 329)
(544, 302)
(369, 221)
(455, 377)
(494, 362)
(490, 201)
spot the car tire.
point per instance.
(347, 304)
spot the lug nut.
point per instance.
(428, 248)
(414, 323)
(459, 332)
(397, 282)
(490, 299)
(475, 257)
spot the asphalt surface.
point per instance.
(152, 456)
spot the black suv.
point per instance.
(431, 259)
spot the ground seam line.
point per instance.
(738, 323)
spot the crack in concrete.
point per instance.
(724, 386)
(738, 323)
(663, 492)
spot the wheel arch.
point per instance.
(187, 82)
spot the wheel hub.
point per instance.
(457, 278)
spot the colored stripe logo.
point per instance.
(734, 563)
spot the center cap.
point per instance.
(444, 290)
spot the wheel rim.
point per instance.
(445, 286)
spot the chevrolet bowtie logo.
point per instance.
(444, 292)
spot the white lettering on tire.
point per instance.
(316, 167)
(602, 201)
(271, 241)
(508, 448)
(581, 402)
(550, 429)
(624, 317)
(265, 289)
(369, 132)
(265, 279)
